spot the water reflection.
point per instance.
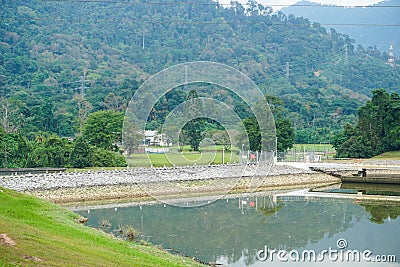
(231, 231)
(381, 213)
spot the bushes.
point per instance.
(14, 150)
(85, 156)
(52, 151)
(107, 158)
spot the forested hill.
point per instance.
(382, 17)
(47, 47)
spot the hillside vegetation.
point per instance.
(377, 129)
(62, 61)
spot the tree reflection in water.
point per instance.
(380, 213)
(224, 229)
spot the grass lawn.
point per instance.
(182, 159)
(174, 158)
(207, 157)
(388, 155)
(34, 232)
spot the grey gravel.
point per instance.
(32, 182)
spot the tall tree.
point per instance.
(81, 154)
(284, 129)
(14, 151)
(44, 117)
(10, 116)
(192, 133)
(285, 133)
(253, 133)
(377, 128)
(192, 130)
(104, 129)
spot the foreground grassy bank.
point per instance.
(35, 232)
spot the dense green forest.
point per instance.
(377, 129)
(62, 62)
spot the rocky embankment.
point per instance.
(145, 182)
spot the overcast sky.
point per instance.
(291, 2)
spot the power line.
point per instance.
(135, 21)
(83, 84)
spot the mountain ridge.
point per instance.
(52, 51)
(376, 25)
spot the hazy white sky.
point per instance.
(291, 2)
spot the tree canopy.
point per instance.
(103, 129)
(53, 53)
(377, 129)
(284, 130)
(71, 67)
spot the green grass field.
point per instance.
(207, 157)
(34, 232)
(181, 159)
(388, 155)
(170, 159)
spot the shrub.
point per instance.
(106, 158)
(81, 154)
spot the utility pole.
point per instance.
(83, 82)
(287, 70)
(143, 40)
(391, 59)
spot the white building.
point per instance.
(153, 138)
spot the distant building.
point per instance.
(153, 138)
(391, 60)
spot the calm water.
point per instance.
(232, 231)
